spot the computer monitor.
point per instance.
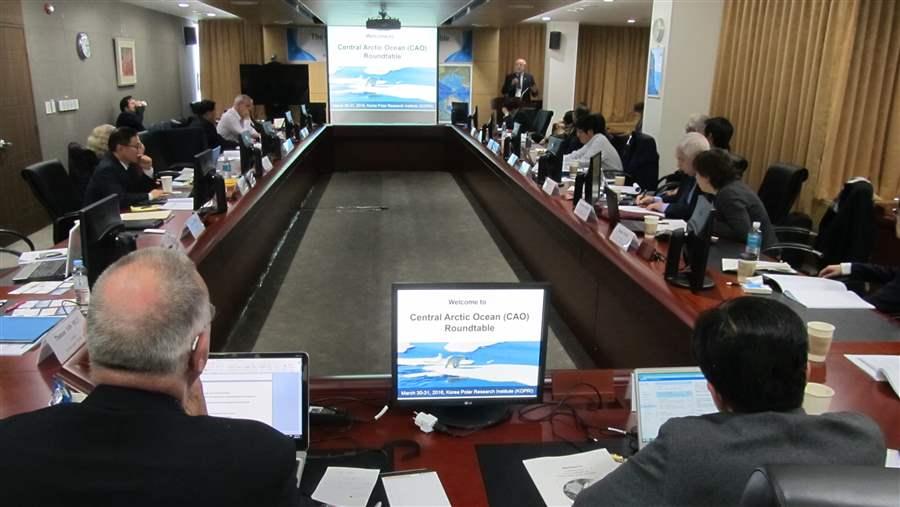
(553, 144)
(468, 350)
(291, 131)
(664, 393)
(269, 387)
(459, 113)
(249, 159)
(207, 184)
(101, 245)
(696, 244)
(270, 142)
(595, 179)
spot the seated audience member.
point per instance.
(737, 206)
(696, 123)
(753, 353)
(142, 437)
(237, 120)
(570, 142)
(132, 113)
(561, 128)
(204, 118)
(885, 299)
(98, 141)
(639, 109)
(124, 171)
(718, 132)
(680, 203)
(510, 111)
(591, 132)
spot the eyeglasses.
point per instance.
(135, 146)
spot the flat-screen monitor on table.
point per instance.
(466, 351)
(100, 224)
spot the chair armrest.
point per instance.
(794, 246)
(18, 235)
(794, 230)
(173, 174)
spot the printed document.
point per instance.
(559, 479)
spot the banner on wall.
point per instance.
(306, 44)
(454, 46)
(455, 70)
(655, 74)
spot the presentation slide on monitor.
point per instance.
(455, 344)
(382, 76)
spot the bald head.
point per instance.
(145, 311)
(521, 64)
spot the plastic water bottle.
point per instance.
(754, 242)
(226, 168)
(80, 282)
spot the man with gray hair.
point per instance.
(696, 123)
(680, 203)
(142, 436)
(236, 120)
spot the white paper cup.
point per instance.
(651, 224)
(620, 181)
(817, 398)
(820, 336)
(166, 184)
(746, 269)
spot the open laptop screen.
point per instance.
(269, 388)
(666, 393)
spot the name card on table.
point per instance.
(304, 133)
(194, 226)
(524, 168)
(551, 187)
(243, 185)
(267, 164)
(584, 211)
(65, 338)
(513, 158)
(286, 147)
(473, 131)
(481, 136)
(494, 146)
(623, 237)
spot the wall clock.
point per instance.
(83, 45)
(659, 30)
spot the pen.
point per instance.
(14, 306)
(616, 430)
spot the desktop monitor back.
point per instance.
(595, 178)
(100, 225)
(459, 113)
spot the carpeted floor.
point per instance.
(329, 289)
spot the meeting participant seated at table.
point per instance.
(142, 437)
(98, 141)
(696, 123)
(518, 83)
(752, 352)
(204, 118)
(124, 171)
(680, 203)
(510, 111)
(570, 140)
(718, 132)
(591, 132)
(737, 206)
(236, 120)
(887, 298)
(132, 113)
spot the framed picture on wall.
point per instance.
(126, 65)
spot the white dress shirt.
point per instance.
(231, 125)
(597, 144)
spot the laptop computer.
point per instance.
(269, 387)
(53, 269)
(612, 209)
(663, 393)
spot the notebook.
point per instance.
(813, 292)
(664, 393)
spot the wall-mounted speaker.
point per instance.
(555, 40)
(190, 36)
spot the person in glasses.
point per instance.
(124, 171)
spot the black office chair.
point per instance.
(620, 143)
(740, 164)
(173, 149)
(641, 160)
(53, 188)
(780, 188)
(822, 486)
(18, 236)
(82, 163)
(541, 123)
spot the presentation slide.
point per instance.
(382, 76)
(466, 344)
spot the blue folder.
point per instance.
(25, 329)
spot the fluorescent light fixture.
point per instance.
(632, 21)
(184, 5)
(211, 14)
(545, 18)
(608, 1)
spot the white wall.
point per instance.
(691, 45)
(559, 69)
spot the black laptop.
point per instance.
(612, 208)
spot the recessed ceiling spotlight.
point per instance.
(184, 5)
(545, 18)
(632, 21)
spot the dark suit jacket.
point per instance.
(110, 177)
(737, 207)
(213, 138)
(130, 447)
(681, 204)
(707, 460)
(887, 298)
(527, 84)
(134, 120)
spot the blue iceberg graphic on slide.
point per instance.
(468, 370)
(399, 89)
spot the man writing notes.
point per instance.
(142, 437)
(519, 83)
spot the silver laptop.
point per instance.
(663, 393)
(53, 267)
(269, 387)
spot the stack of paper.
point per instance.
(880, 368)
(813, 292)
(637, 210)
(559, 479)
(777, 267)
(179, 203)
(415, 489)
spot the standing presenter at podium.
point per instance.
(519, 83)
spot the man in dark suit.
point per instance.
(204, 118)
(131, 113)
(124, 171)
(519, 84)
(680, 203)
(142, 437)
(753, 354)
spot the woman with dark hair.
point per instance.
(718, 132)
(737, 206)
(204, 118)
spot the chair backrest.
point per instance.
(641, 160)
(780, 188)
(822, 486)
(82, 162)
(740, 164)
(542, 122)
(173, 146)
(847, 231)
(52, 187)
